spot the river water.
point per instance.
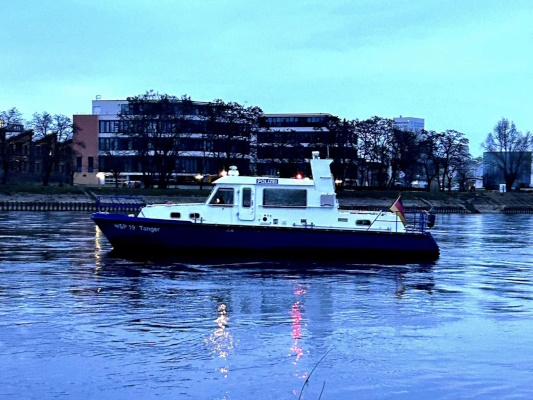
(76, 321)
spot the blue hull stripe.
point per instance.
(144, 234)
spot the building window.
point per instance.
(37, 167)
(78, 164)
(107, 126)
(90, 167)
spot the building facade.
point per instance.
(21, 154)
(409, 123)
(287, 141)
(28, 159)
(518, 163)
(279, 147)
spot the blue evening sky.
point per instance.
(458, 64)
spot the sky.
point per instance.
(460, 65)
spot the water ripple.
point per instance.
(75, 320)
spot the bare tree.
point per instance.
(509, 147)
(158, 125)
(452, 148)
(374, 138)
(466, 170)
(232, 126)
(342, 141)
(403, 154)
(427, 155)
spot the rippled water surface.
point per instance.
(76, 321)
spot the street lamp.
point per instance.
(200, 178)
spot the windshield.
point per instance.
(223, 196)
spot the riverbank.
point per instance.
(480, 201)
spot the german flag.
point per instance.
(397, 207)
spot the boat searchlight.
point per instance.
(233, 171)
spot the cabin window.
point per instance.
(343, 219)
(175, 215)
(284, 197)
(194, 215)
(362, 222)
(246, 197)
(223, 196)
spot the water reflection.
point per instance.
(220, 342)
(296, 313)
(92, 323)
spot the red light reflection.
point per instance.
(296, 313)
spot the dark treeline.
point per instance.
(376, 153)
(161, 129)
(371, 152)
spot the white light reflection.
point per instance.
(98, 249)
(221, 340)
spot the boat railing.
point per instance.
(416, 221)
(119, 203)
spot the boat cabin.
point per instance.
(283, 202)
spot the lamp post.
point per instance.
(200, 178)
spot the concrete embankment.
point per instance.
(484, 202)
(479, 202)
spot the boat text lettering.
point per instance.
(125, 226)
(150, 229)
(267, 181)
(142, 228)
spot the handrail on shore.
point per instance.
(102, 203)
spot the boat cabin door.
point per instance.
(247, 204)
